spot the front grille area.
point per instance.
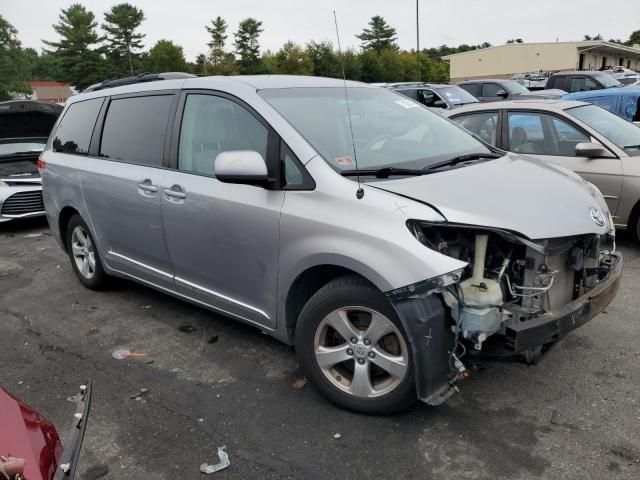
(22, 203)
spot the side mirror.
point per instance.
(439, 104)
(591, 150)
(502, 94)
(241, 166)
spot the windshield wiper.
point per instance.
(462, 159)
(632, 146)
(383, 172)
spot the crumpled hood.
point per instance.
(516, 193)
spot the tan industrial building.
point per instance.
(46, 91)
(504, 61)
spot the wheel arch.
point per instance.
(63, 221)
(307, 282)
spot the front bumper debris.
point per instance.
(69, 459)
(553, 325)
(428, 328)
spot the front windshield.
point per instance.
(456, 95)
(606, 80)
(389, 130)
(515, 88)
(616, 129)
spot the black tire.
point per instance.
(350, 290)
(98, 279)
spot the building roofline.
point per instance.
(578, 44)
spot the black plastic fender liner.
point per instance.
(427, 325)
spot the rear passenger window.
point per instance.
(212, 125)
(74, 132)
(135, 128)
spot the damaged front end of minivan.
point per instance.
(515, 298)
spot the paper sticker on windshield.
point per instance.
(406, 103)
(345, 161)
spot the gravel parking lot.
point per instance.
(575, 415)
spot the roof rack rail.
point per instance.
(140, 78)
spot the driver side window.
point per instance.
(212, 125)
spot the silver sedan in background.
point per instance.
(600, 146)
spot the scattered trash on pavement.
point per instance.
(300, 383)
(33, 235)
(176, 370)
(187, 329)
(554, 417)
(213, 339)
(138, 396)
(337, 436)
(121, 354)
(224, 463)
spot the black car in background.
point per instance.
(433, 95)
(495, 90)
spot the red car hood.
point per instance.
(26, 434)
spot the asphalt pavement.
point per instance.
(212, 381)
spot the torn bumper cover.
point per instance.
(427, 325)
(555, 324)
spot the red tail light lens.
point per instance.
(41, 164)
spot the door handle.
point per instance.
(175, 192)
(147, 186)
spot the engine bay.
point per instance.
(511, 279)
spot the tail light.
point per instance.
(41, 164)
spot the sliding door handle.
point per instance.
(175, 191)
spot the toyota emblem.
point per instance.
(597, 217)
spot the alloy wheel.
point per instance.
(83, 252)
(361, 352)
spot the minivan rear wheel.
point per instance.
(84, 256)
(353, 349)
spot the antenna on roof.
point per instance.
(360, 191)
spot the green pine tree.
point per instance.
(379, 36)
(120, 24)
(247, 47)
(218, 32)
(81, 60)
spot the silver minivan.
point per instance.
(383, 241)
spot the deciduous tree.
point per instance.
(13, 64)
(165, 56)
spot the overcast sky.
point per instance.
(441, 22)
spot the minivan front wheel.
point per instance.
(353, 349)
(84, 255)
